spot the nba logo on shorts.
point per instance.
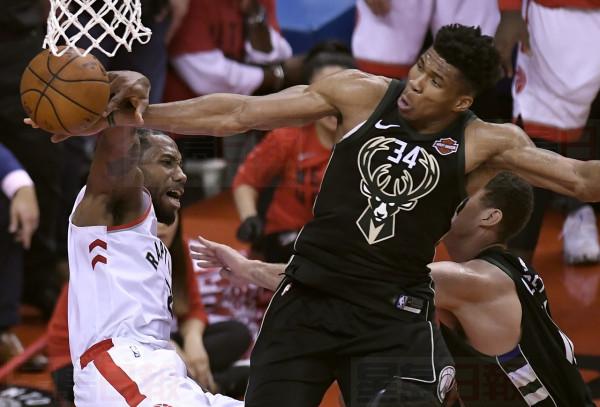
(445, 382)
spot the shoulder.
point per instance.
(486, 140)
(471, 281)
(507, 134)
(351, 81)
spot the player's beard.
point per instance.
(163, 215)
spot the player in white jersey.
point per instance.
(120, 284)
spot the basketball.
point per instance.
(66, 94)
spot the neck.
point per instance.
(467, 248)
(432, 126)
(326, 137)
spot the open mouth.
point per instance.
(403, 103)
(174, 195)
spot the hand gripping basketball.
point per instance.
(64, 95)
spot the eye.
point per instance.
(436, 83)
(461, 206)
(420, 65)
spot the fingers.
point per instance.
(28, 229)
(507, 65)
(206, 242)
(31, 123)
(140, 106)
(57, 138)
(114, 102)
(14, 221)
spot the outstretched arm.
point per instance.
(236, 267)
(508, 148)
(350, 95)
(114, 186)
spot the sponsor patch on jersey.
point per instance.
(445, 382)
(446, 146)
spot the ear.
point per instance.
(463, 103)
(491, 217)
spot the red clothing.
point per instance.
(210, 25)
(516, 4)
(58, 330)
(297, 155)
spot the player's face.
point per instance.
(164, 177)
(466, 218)
(434, 89)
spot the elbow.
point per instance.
(586, 192)
(587, 186)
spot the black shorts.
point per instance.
(310, 338)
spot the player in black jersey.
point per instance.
(493, 308)
(358, 305)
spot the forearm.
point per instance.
(192, 328)
(208, 115)
(266, 275)
(245, 197)
(223, 114)
(590, 174)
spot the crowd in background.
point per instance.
(200, 47)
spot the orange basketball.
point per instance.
(66, 94)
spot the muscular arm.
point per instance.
(507, 147)
(459, 283)
(350, 94)
(114, 186)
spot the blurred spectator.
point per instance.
(209, 351)
(297, 157)
(19, 217)
(389, 34)
(21, 36)
(553, 90)
(226, 46)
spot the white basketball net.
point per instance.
(117, 22)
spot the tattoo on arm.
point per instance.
(121, 166)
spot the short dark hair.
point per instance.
(144, 137)
(472, 53)
(327, 53)
(514, 197)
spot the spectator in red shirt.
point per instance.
(231, 46)
(298, 157)
(207, 350)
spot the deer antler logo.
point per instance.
(378, 221)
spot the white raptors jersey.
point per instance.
(120, 283)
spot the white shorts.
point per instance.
(394, 40)
(555, 85)
(132, 374)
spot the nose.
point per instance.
(180, 176)
(416, 83)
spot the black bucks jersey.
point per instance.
(386, 199)
(540, 371)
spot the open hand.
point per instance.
(512, 29)
(24, 215)
(234, 266)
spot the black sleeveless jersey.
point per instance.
(541, 371)
(386, 199)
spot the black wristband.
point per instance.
(111, 119)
